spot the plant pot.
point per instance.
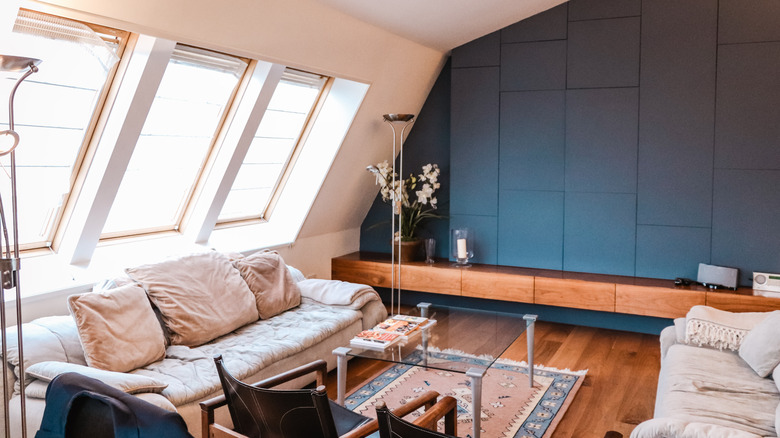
(411, 250)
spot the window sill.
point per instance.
(47, 275)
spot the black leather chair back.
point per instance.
(276, 413)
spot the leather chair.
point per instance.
(391, 426)
(258, 410)
(78, 406)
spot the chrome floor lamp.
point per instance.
(9, 260)
(403, 121)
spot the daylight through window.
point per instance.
(274, 145)
(54, 112)
(189, 107)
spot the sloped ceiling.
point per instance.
(441, 24)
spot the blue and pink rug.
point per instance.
(510, 408)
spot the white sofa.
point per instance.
(719, 377)
(329, 313)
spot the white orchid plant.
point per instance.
(412, 209)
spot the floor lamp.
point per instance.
(9, 262)
(403, 121)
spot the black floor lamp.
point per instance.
(9, 249)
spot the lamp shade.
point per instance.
(8, 141)
(17, 63)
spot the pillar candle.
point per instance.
(462, 254)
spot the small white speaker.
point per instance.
(717, 276)
(766, 282)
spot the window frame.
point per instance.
(192, 194)
(122, 39)
(289, 164)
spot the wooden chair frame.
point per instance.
(446, 407)
(210, 429)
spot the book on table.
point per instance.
(374, 339)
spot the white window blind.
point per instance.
(54, 111)
(273, 147)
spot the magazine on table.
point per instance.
(374, 339)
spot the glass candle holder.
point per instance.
(430, 250)
(462, 241)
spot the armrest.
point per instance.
(447, 408)
(320, 367)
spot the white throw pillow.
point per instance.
(761, 346)
(129, 383)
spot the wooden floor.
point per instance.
(617, 394)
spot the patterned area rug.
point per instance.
(510, 408)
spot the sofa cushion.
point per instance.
(703, 385)
(200, 296)
(127, 382)
(47, 338)
(761, 346)
(191, 374)
(270, 281)
(117, 328)
(707, 326)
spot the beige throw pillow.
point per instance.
(270, 281)
(117, 328)
(127, 382)
(200, 296)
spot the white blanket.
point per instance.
(338, 293)
(673, 428)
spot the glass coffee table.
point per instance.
(478, 333)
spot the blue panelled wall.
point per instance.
(624, 137)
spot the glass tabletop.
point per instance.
(458, 333)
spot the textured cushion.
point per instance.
(270, 281)
(761, 346)
(127, 382)
(117, 328)
(707, 326)
(200, 296)
(776, 378)
(264, 344)
(704, 385)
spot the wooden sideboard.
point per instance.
(607, 293)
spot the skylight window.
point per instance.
(54, 110)
(189, 107)
(273, 149)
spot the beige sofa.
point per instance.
(295, 321)
(719, 377)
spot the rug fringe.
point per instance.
(504, 361)
(537, 366)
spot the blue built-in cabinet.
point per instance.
(624, 137)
